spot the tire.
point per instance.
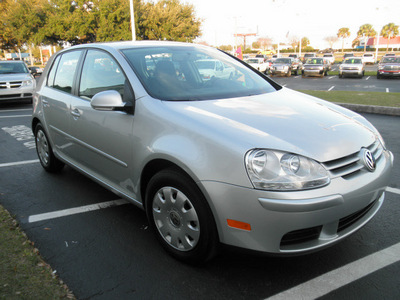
(179, 215)
(44, 151)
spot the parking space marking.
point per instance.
(75, 210)
(330, 77)
(342, 276)
(23, 134)
(393, 190)
(387, 90)
(331, 88)
(18, 163)
(15, 116)
(367, 78)
(12, 110)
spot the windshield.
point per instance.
(315, 61)
(353, 61)
(13, 68)
(390, 60)
(283, 61)
(192, 73)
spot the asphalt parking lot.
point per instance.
(102, 247)
(334, 83)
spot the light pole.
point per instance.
(132, 21)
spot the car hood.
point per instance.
(15, 77)
(284, 120)
(313, 65)
(351, 65)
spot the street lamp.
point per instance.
(132, 21)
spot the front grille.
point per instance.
(351, 68)
(10, 84)
(392, 68)
(351, 219)
(350, 165)
(301, 236)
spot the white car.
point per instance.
(330, 58)
(258, 64)
(369, 58)
(213, 68)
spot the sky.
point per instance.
(282, 20)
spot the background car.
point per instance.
(212, 68)
(307, 56)
(329, 57)
(285, 66)
(389, 66)
(346, 55)
(35, 71)
(16, 82)
(369, 58)
(353, 66)
(317, 66)
(258, 64)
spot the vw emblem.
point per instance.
(369, 160)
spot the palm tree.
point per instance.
(343, 33)
(367, 31)
(389, 31)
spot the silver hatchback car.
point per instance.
(235, 160)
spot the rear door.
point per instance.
(56, 98)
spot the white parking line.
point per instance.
(16, 116)
(75, 210)
(12, 110)
(18, 163)
(393, 190)
(367, 78)
(387, 90)
(342, 276)
(332, 87)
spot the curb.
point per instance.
(372, 109)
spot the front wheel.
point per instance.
(43, 148)
(179, 215)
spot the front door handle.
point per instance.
(75, 113)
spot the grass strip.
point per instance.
(365, 98)
(23, 273)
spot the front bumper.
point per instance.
(351, 72)
(19, 93)
(312, 72)
(298, 222)
(389, 73)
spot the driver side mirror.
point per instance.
(109, 101)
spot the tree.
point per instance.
(343, 33)
(113, 20)
(21, 22)
(294, 42)
(389, 31)
(331, 40)
(169, 20)
(71, 21)
(366, 31)
(305, 42)
(264, 42)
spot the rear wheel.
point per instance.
(43, 148)
(180, 217)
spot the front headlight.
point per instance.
(281, 171)
(27, 82)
